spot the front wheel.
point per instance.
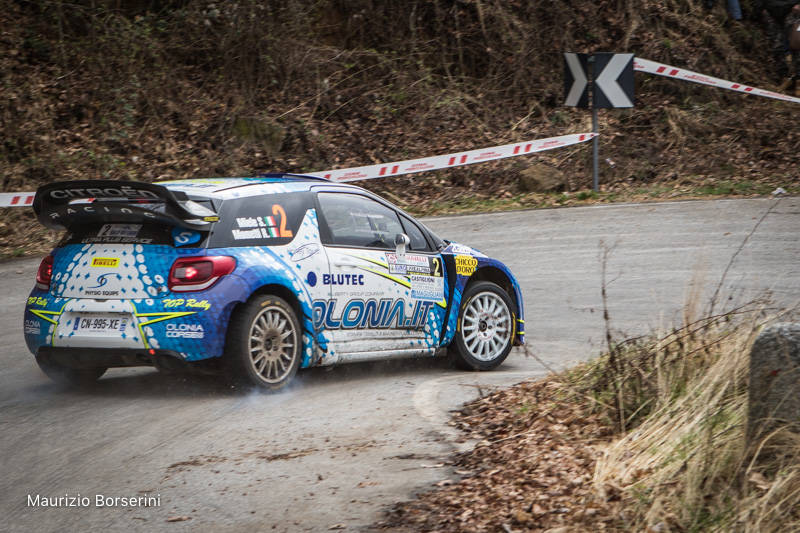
(264, 344)
(486, 327)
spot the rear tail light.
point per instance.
(45, 273)
(199, 273)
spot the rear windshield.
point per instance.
(266, 220)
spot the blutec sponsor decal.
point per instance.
(343, 279)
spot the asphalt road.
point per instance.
(344, 443)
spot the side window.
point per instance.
(418, 242)
(355, 220)
(264, 220)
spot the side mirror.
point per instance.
(401, 241)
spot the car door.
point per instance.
(383, 304)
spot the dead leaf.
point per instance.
(758, 479)
(522, 517)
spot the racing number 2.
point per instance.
(278, 211)
(437, 269)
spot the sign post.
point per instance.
(610, 78)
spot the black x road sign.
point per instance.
(611, 76)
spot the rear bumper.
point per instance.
(112, 357)
(194, 326)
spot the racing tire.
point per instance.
(486, 327)
(265, 344)
(65, 375)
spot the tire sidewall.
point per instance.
(238, 361)
(463, 356)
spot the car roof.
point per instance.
(228, 188)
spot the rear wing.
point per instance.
(62, 204)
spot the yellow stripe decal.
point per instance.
(139, 327)
(41, 314)
(163, 316)
(53, 337)
(401, 281)
(384, 264)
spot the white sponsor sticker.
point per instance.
(427, 288)
(408, 263)
(127, 231)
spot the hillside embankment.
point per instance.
(150, 90)
(651, 437)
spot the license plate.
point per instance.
(101, 324)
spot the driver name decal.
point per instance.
(263, 227)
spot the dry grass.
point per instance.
(552, 455)
(686, 465)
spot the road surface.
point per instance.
(344, 443)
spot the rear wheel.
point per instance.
(486, 327)
(264, 344)
(65, 375)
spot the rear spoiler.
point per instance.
(62, 204)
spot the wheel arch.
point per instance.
(509, 285)
(281, 291)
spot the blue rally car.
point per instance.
(255, 277)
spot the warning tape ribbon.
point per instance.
(16, 199)
(437, 162)
(652, 67)
(398, 168)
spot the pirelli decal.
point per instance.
(106, 262)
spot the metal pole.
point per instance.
(595, 128)
(595, 150)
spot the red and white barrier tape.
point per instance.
(16, 199)
(397, 168)
(437, 162)
(652, 67)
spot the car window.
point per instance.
(355, 220)
(415, 235)
(264, 220)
